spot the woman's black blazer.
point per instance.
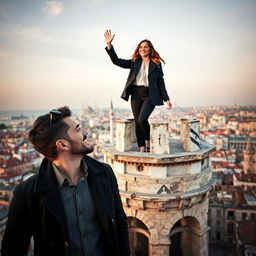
(157, 90)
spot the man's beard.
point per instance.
(84, 150)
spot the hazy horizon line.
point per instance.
(128, 108)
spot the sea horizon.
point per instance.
(31, 113)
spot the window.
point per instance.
(218, 213)
(252, 216)
(244, 216)
(230, 228)
(218, 223)
(218, 236)
(231, 215)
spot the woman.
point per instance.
(145, 84)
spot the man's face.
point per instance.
(77, 137)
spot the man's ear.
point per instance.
(62, 144)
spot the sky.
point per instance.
(52, 52)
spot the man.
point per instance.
(72, 206)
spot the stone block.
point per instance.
(158, 172)
(159, 138)
(119, 167)
(123, 135)
(133, 132)
(189, 134)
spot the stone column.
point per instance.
(160, 249)
(182, 128)
(123, 135)
(159, 138)
(204, 242)
(189, 134)
(133, 133)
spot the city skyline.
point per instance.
(52, 52)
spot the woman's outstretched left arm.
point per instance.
(163, 89)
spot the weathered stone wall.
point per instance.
(150, 185)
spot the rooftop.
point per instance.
(247, 231)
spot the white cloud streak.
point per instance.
(32, 32)
(15, 31)
(53, 8)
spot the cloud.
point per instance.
(32, 32)
(5, 12)
(12, 32)
(97, 2)
(53, 8)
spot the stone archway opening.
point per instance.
(185, 237)
(139, 237)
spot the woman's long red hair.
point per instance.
(154, 55)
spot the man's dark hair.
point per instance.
(46, 132)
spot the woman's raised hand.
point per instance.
(109, 38)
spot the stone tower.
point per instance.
(249, 163)
(165, 193)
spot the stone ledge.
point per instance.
(177, 155)
(169, 197)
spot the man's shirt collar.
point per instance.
(62, 178)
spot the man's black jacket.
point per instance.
(37, 211)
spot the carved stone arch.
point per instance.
(166, 229)
(139, 236)
(185, 236)
(148, 223)
(178, 216)
(198, 218)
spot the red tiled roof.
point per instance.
(239, 195)
(246, 177)
(228, 179)
(233, 119)
(9, 175)
(247, 232)
(218, 153)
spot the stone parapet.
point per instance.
(133, 132)
(190, 134)
(176, 156)
(124, 131)
(159, 138)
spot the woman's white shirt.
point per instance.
(142, 76)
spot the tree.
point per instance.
(2, 126)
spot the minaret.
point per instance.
(249, 163)
(111, 119)
(165, 193)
